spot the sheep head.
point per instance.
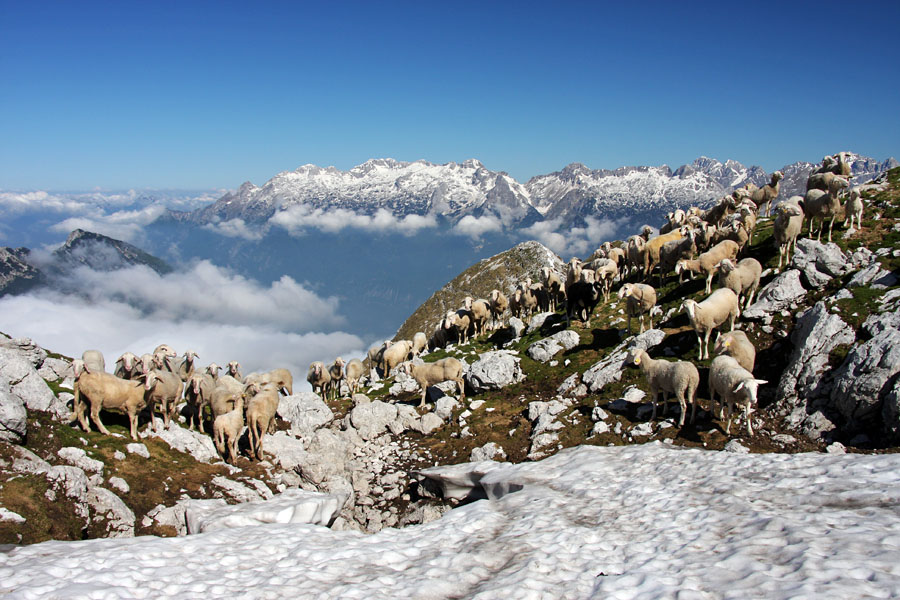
(625, 290)
(213, 369)
(750, 387)
(689, 306)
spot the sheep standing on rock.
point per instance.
(419, 343)
(479, 313)
(164, 389)
(396, 354)
(227, 431)
(429, 374)
(319, 378)
(741, 278)
(108, 392)
(788, 224)
(680, 378)
(640, 299)
(821, 205)
(499, 304)
(198, 393)
(261, 409)
(734, 384)
(738, 346)
(767, 193)
(336, 371)
(353, 372)
(720, 306)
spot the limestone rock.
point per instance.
(428, 423)
(372, 419)
(445, 406)
(878, 322)
(544, 350)
(239, 491)
(777, 295)
(489, 451)
(864, 379)
(72, 482)
(818, 262)
(196, 444)
(306, 412)
(494, 370)
(109, 508)
(79, 458)
(873, 276)
(517, 326)
(13, 416)
(537, 321)
(138, 448)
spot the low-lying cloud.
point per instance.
(220, 315)
(237, 228)
(477, 227)
(578, 241)
(299, 218)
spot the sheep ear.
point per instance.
(727, 343)
(761, 381)
(636, 360)
(739, 386)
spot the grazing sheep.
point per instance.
(128, 366)
(107, 392)
(499, 304)
(479, 313)
(396, 354)
(227, 430)
(639, 300)
(853, 209)
(742, 278)
(93, 361)
(186, 368)
(459, 322)
(680, 378)
(164, 389)
(605, 273)
(821, 205)
(428, 374)
(737, 345)
(198, 393)
(788, 224)
(734, 384)
(353, 372)
(420, 342)
(261, 409)
(318, 377)
(767, 193)
(720, 306)
(707, 262)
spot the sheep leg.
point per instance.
(830, 227)
(747, 417)
(665, 396)
(653, 397)
(683, 405)
(700, 345)
(692, 396)
(133, 423)
(78, 406)
(95, 417)
(424, 393)
(706, 343)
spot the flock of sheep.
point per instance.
(159, 382)
(694, 242)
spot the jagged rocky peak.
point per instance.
(103, 253)
(17, 275)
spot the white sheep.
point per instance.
(336, 371)
(429, 374)
(672, 252)
(198, 394)
(654, 246)
(127, 366)
(213, 371)
(635, 252)
(741, 278)
(420, 342)
(707, 263)
(554, 286)
(234, 369)
(227, 430)
(375, 356)
(353, 372)
(396, 354)
(186, 368)
(605, 272)
(716, 215)
(318, 377)
(164, 389)
(853, 209)
(164, 355)
(821, 205)
(767, 193)
(640, 299)
(788, 224)
(499, 304)
(93, 361)
(224, 395)
(734, 384)
(457, 321)
(261, 409)
(737, 345)
(105, 391)
(282, 378)
(711, 313)
(479, 313)
(680, 378)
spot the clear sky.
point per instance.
(199, 95)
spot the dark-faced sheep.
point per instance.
(319, 378)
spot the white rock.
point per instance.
(306, 412)
(119, 484)
(80, 459)
(198, 445)
(8, 516)
(109, 508)
(139, 449)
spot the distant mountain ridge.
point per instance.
(453, 191)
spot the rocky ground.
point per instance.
(825, 329)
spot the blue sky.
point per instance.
(118, 95)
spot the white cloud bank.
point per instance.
(297, 219)
(220, 315)
(577, 241)
(477, 227)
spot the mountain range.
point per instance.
(453, 191)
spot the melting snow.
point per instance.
(646, 521)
